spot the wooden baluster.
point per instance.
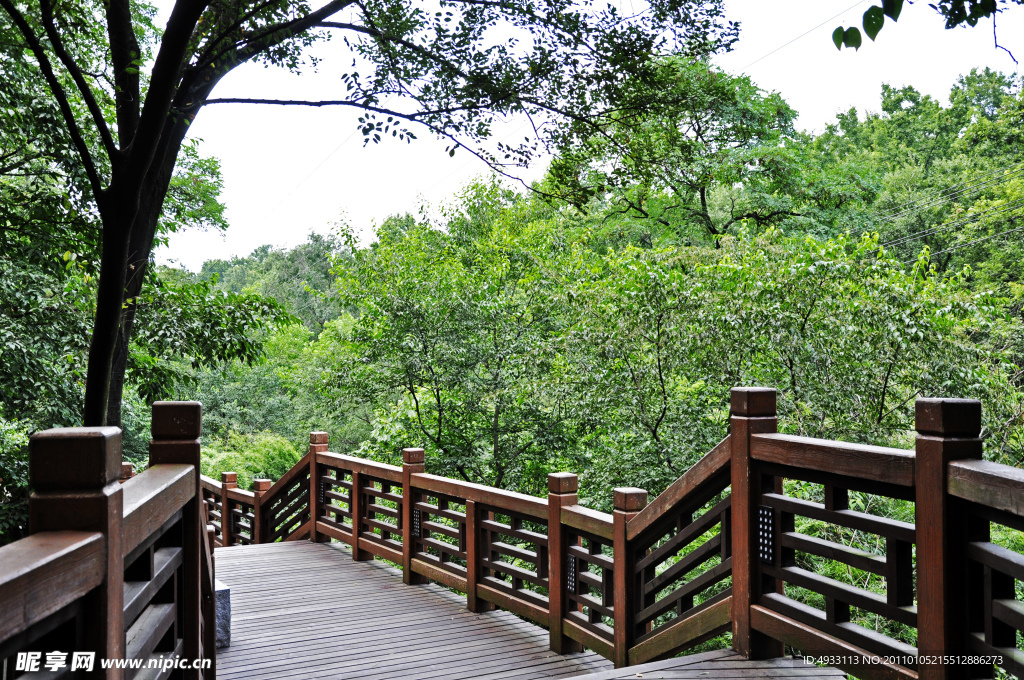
(228, 480)
(563, 490)
(412, 463)
(317, 444)
(628, 503)
(752, 412)
(176, 429)
(357, 506)
(836, 498)
(947, 430)
(259, 487)
(474, 554)
(75, 473)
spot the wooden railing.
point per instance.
(769, 536)
(111, 571)
(730, 546)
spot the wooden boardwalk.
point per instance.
(307, 611)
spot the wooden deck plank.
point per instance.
(307, 611)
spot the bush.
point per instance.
(252, 456)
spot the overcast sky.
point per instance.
(289, 170)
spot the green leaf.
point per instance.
(852, 38)
(874, 19)
(892, 8)
(837, 37)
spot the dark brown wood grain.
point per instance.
(753, 413)
(714, 463)
(810, 640)
(45, 572)
(587, 520)
(942, 532)
(372, 468)
(877, 463)
(485, 495)
(986, 483)
(152, 497)
(684, 632)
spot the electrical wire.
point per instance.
(966, 220)
(936, 198)
(969, 243)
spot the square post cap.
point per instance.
(261, 485)
(317, 437)
(177, 420)
(74, 458)
(563, 482)
(630, 499)
(752, 402)
(229, 478)
(948, 417)
(413, 456)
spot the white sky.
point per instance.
(290, 170)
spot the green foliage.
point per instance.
(955, 12)
(191, 322)
(449, 343)
(259, 455)
(14, 481)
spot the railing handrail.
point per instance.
(43, 573)
(712, 464)
(861, 461)
(152, 497)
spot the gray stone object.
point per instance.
(222, 606)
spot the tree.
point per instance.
(443, 69)
(701, 153)
(449, 346)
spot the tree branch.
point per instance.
(58, 93)
(76, 75)
(124, 50)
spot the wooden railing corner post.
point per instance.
(413, 462)
(947, 430)
(317, 444)
(628, 503)
(75, 474)
(563, 491)
(127, 471)
(176, 428)
(228, 480)
(259, 487)
(752, 411)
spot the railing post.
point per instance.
(228, 480)
(176, 429)
(75, 473)
(947, 430)
(753, 411)
(412, 463)
(127, 471)
(356, 506)
(259, 487)
(317, 444)
(628, 502)
(562, 491)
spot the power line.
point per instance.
(943, 195)
(966, 220)
(970, 243)
(859, 2)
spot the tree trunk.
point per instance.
(109, 300)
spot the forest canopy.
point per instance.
(594, 324)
